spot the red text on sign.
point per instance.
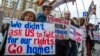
(29, 32)
(15, 32)
(13, 48)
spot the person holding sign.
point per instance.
(67, 15)
(27, 15)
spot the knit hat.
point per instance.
(29, 10)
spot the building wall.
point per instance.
(8, 6)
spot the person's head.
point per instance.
(67, 15)
(83, 21)
(75, 20)
(46, 9)
(28, 15)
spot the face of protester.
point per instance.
(47, 11)
(67, 15)
(29, 16)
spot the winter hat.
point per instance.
(29, 10)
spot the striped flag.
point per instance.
(92, 9)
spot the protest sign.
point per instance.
(96, 35)
(84, 34)
(75, 34)
(61, 27)
(30, 38)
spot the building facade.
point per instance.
(8, 7)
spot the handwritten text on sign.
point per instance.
(96, 35)
(27, 38)
(61, 26)
(76, 34)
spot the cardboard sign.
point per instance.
(96, 35)
(30, 38)
(84, 34)
(61, 27)
(76, 34)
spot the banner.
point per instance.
(61, 27)
(76, 34)
(30, 38)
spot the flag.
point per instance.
(92, 9)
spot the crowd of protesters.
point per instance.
(65, 47)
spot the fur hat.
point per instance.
(28, 10)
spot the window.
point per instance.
(32, 0)
(6, 1)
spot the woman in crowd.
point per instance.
(27, 15)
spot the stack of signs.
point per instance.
(61, 27)
(75, 34)
(96, 35)
(30, 38)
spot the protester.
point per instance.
(83, 24)
(62, 45)
(67, 15)
(42, 17)
(27, 15)
(89, 38)
(83, 21)
(67, 47)
(95, 43)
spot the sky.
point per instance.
(72, 9)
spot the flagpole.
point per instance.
(84, 41)
(77, 12)
(67, 7)
(96, 19)
(78, 22)
(83, 5)
(60, 11)
(14, 9)
(96, 14)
